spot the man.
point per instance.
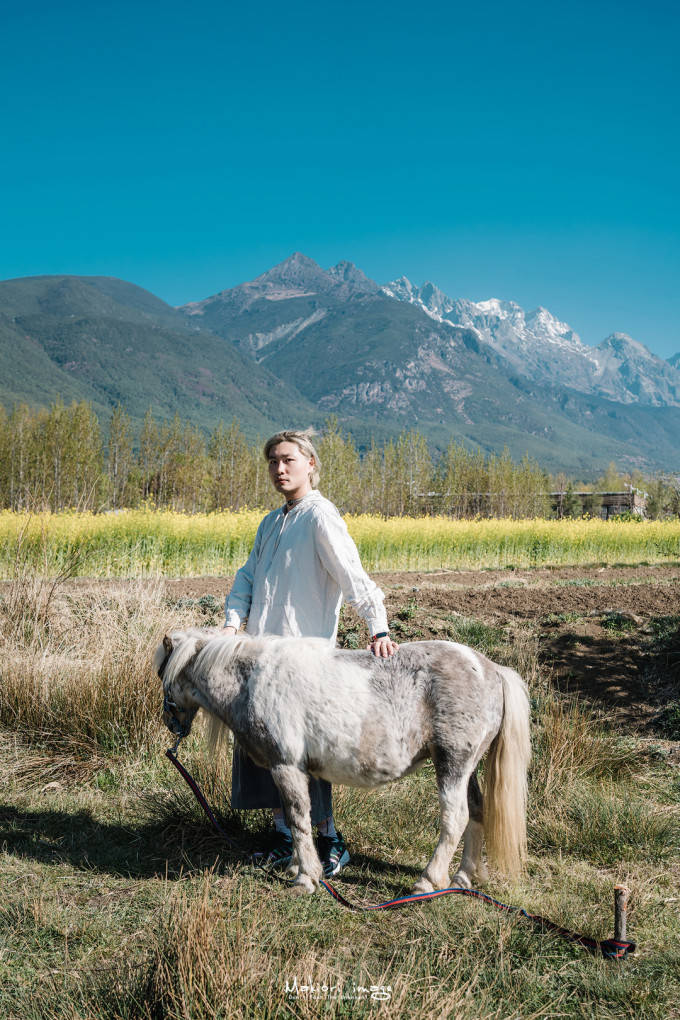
(303, 563)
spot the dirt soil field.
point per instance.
(610, 635)
(598, 627)
(502, 595)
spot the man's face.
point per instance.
(290, 470)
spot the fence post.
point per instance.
(621, 893)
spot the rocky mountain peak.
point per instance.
(498, 308)
(544, 317)
(536, 344)
(402, 289)
(624, 346)
(627, 371)
(434, 298)
(548, 327)
(347, 273)
(301, 274)
(297, 270)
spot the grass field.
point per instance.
(120, 902)
(146, 543)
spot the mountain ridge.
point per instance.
(394, 359)
(539, 345)
(107, 341)
(300, 342)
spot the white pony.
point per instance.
(300, 707)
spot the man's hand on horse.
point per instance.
(383, 647)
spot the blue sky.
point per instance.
(526, 151)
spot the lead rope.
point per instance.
(611, 949)
(171, 753)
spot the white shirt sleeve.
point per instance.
(340, 557)
(237, 602)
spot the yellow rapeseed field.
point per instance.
(134, 543)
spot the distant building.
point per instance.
(602, 504)
(565, 503)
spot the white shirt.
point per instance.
(303, 563)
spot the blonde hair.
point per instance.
(303, 441)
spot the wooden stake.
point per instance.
(621, 893)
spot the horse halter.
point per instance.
(175, 725)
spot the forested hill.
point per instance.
(109, 342)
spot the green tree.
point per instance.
(120, 460)
(501, 478)
(149, 456)
(571, 504)
(611, 480)
(85, 457)
(463, 478)
(230, 463)
(340, 467)
(415, 471)
(17, 447)
(592, 503)
(188, 467)
(371, 494)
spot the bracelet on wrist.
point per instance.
(384, 633)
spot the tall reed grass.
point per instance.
(133, 543)
(76, 682)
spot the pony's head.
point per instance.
(172, 661)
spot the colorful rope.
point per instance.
(612, 949)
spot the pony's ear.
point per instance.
(167, 644)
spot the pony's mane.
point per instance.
(185, 644)
(212, 649)
(220, 650)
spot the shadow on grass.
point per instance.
(631, 671)
(145, 850)
(169, 846)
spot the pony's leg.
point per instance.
(293, 785)
(471, 866)
(452, 786)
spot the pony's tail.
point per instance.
(505, 788)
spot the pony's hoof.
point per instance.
(302, 886)
(423, 885)
(482, 875)
(461, 880)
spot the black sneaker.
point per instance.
(333, 853)
(280, 853)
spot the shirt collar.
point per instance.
(309, 497)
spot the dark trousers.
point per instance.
(253, 787)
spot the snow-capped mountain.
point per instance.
(300, 342)
(540, 346)
(625, 366)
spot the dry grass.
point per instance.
(571, 745)
(76, 677)
(119, 903)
